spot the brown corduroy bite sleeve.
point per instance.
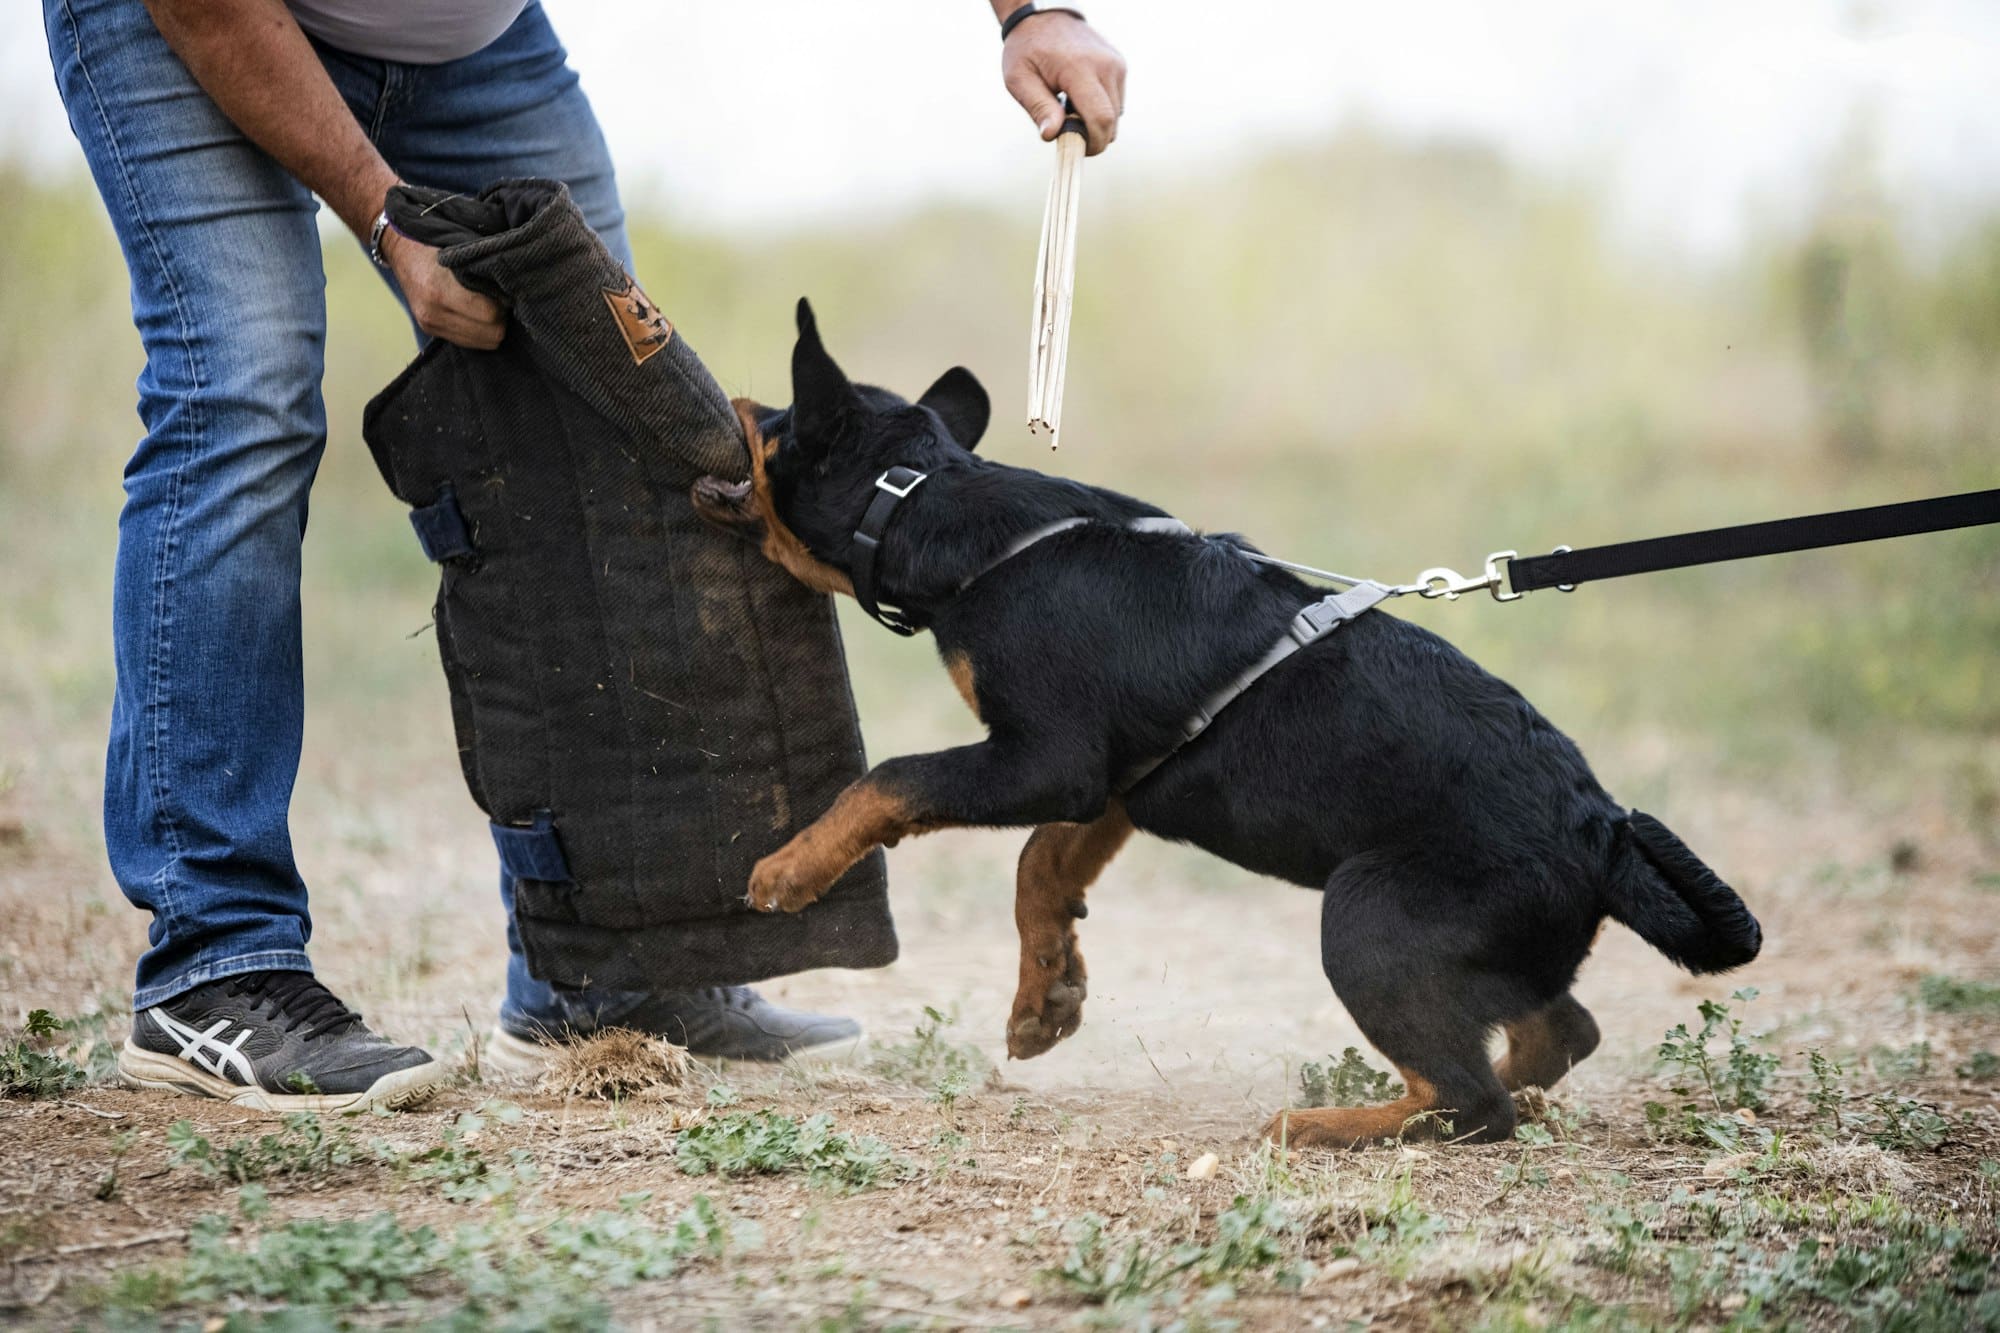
(644, 706)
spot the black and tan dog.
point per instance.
(1467, 855)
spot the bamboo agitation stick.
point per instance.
(1055, 287)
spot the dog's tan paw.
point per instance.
(778, 883)
(1049, 1004)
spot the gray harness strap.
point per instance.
(1309, 626)
(1312, 624)
(1020, 544)
(1047, 530)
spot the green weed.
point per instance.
(1898, 1064)
(1887, 1119)
(29, 1069)
(1980, 1066)
(460, 1171)
(518, 1272)
(1523, 1170)
(301, 1147)
(1827, 1095)
(1903, 1124)
(1717, 1092)
(1399, 1225)
(1741, 1078)
(1252, 1237)
(764, 1142)
(1348, 1081)
(1955, 995)
(1100, 1271)
(332, 1264)
(1780, 1262)
(929, 1059)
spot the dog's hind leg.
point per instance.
(1058, 864)
(1415, 995)
(1545, 1045)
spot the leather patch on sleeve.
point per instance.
(644, 328)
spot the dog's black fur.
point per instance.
(1466, 853)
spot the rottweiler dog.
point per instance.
(1466, 855)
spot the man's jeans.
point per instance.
(228, 296)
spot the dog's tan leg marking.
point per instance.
(861, 819)
(1058, 864)
(1359, 1126)
(959, 667)
(779, 543)
(1544, 1045)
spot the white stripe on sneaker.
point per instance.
(204, 1048)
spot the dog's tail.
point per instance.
(1675, 903)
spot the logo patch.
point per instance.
(644, 328)
(207, 1049)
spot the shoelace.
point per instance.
(300, 997)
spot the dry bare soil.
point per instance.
(1116, 1181)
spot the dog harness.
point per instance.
(1313, 623)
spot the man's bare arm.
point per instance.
(1059, 53)
(251, 58)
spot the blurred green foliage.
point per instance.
(1371, 354)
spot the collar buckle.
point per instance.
(899, 481)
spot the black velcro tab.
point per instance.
(441, 529)
(533, 852)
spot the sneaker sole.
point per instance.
(510, 1056)
(141, 1068)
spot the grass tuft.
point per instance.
(616, 1065)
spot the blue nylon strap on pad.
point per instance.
(441, 529)
(533, 852)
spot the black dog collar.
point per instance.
(891, 489)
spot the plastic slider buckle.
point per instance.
(902, 492)
(1317, 619)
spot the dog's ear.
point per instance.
(822, 397)
(959, 398)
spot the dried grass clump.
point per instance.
(1861, 1169)
(616, 1064)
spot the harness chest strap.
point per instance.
(1313, 623)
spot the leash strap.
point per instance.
(1309, 626)
(891, 489)
(1563, 569)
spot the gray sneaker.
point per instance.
(273, 1041)
(717, 1023)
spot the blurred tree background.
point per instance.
(1370, 353)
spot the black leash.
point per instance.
(1566, 569)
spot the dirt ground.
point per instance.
(1205, 999)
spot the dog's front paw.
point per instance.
(781, 883)
(1049, 1004)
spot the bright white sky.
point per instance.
(1701, 115)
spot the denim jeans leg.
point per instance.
(227, 294)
